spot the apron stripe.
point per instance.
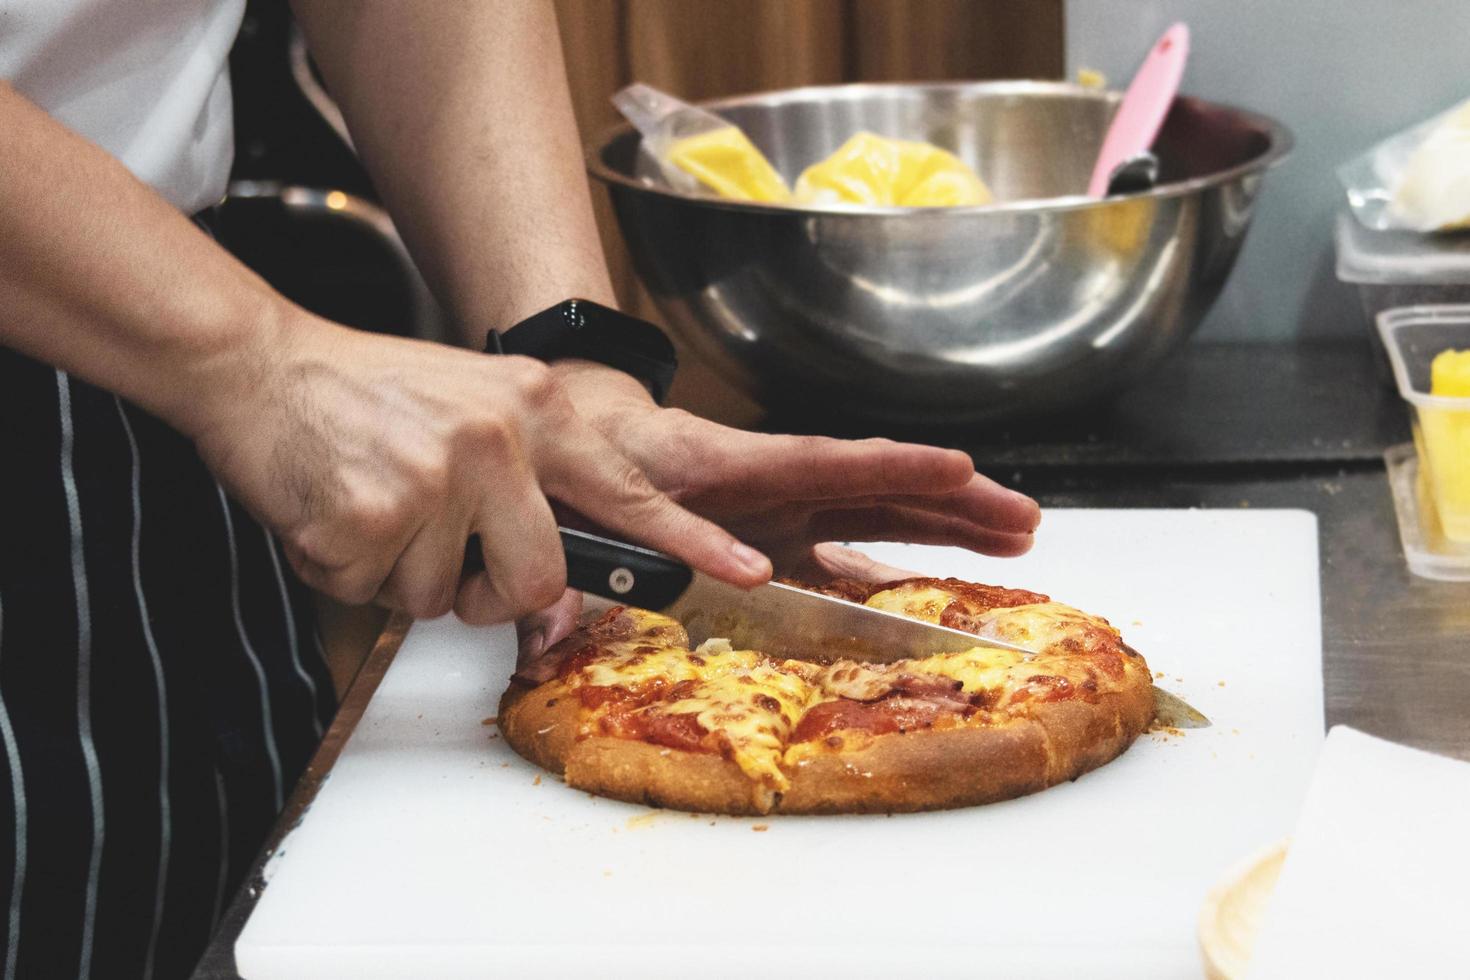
(289, 615)
(18, 795)
(164, 816)
(265, 700)
(224, 850)
(84, 671)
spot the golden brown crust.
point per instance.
(938, 769)
(540, 723)
(639, 772)
(923, 770)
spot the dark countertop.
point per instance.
(1395, 647)
(1211, 404)
(1222, 426)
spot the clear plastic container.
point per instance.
(1413, 337)
(1401, 268)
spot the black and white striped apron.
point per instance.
(161, 685)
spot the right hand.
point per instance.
(375, 458)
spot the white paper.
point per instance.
(1377, 878)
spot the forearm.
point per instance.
(103, 278)
(462, 115)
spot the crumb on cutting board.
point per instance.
(490, 721)
(536, 781)
(643, 819)
(760, 828)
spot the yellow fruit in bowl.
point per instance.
(728, 163)
(874, 170)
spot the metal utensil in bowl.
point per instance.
(948, 315)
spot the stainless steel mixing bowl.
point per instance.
(948, 315)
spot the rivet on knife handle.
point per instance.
(623, 572)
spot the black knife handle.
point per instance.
(623, 572)
(614, 570)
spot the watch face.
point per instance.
(573, 311)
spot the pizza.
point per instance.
(635, 714)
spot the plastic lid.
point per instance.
(1399, 257)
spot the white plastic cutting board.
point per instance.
(434, 851)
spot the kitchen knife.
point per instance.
(779, 620)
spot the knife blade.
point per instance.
(779, 620)
(1172, 711)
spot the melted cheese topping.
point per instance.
(926, 603)
(634, 664)
(1040, 627)
(740, 694)
(753, 703)
(980, 669)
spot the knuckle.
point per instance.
(533, 380)
(632, 486)
(320, 547)
(431, 474)
(491, 432)
(371, 515)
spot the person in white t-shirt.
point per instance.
(159, 684)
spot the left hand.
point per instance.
(787, 495)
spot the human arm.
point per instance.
(374, 458)
(461, 113)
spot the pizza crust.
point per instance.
(542, 725)
(891, 773)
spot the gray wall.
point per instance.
(1342, 74)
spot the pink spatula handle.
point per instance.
(1144, 107)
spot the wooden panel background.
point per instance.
(703, 49)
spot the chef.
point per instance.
(185, 452)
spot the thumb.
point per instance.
(539, 632)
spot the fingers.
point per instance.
(889, 522)
(350, 573)
(525, 569)
(592, 476)
(765, 467)
(539, 632)
(425, 579)
(981, 501)
(830, 560)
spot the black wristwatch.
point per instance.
(593, 332)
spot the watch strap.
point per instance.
(578, 328)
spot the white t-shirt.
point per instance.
(147, 80)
